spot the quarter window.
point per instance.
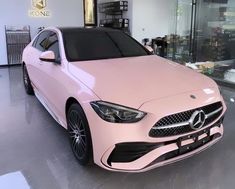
(41, 41)
(52, 44)
(48, 41)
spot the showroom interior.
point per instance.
(35, 150)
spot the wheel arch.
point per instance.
(69, 102)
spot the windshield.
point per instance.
(91, 44)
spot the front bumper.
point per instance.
(129, 148)
(154, 155)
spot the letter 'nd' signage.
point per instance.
(39, 9)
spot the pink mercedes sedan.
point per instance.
(124, 108)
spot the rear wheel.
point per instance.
(27, 82)
(79, 134)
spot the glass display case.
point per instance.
(205, 36)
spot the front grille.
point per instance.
(178, 124)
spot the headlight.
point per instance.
(117, 114)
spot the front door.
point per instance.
(52, 77)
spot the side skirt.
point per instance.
(43, 102)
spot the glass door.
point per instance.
(205, 36)
(181, 43)
(215, 38)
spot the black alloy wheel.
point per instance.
(79, 134)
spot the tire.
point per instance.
(27, 83)
(79, 134)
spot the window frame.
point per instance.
(34, 44)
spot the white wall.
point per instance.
(15, 13)
(148, 18)
(152, 18)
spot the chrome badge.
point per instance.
(197, 120)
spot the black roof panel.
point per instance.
(82, 29)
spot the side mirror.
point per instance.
(150, 49)
(48, 56)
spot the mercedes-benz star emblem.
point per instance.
(197, 120)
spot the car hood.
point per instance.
(134, 81)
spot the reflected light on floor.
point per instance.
(13, 180)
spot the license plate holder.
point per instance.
(195, 137)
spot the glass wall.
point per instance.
(179, 43)
(215, 38)
(204, 38)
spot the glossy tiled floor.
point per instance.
(35, 153)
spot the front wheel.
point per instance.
(79, 134)
(27, 82)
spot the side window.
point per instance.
(52, 44)
(42, 40)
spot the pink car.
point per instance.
(124, 109)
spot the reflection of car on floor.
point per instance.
(125, 109)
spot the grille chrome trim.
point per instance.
(185, 122)
(213, 113)
(171, 126)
